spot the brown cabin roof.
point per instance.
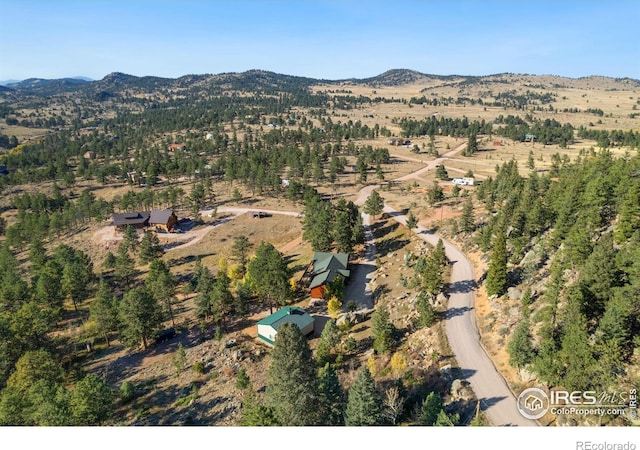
(160, 216)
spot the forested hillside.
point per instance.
(573, 245)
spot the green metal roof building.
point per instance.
(326, 267)
(268, 327)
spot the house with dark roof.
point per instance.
(156, 219)
(325, 268)
(268, 327)
(138, 220)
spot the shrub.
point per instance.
(242, 379)
(198, 367)
(127, 391)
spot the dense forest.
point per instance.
(572, 242)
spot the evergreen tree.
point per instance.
(221, 297)
(430, 409)
(441, 172)
(426, 314)
(125, 266)
(240, 252)
(412, 221)
(382, 329)
(37, 254)
(435, 194)
(140, 315)
(472, 145)
(103, 310)
(364, 406)
(467, 221)
(161, 284)
(341, 231)
(130, 240)
(256, 414)
(374, 204)
(150, 248)
(270, 275)
(203, 288)
(519, 348)
(109, 262)
(576, 353)
(48, 286)
(331, 397)
(496, 282)
(76, 282)
(598, 277)
(91, 401)
(316, 224)
(292, 387)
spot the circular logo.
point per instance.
(533, 403)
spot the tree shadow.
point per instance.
(462, 287)
(455, 312)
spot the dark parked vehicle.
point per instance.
(165, 335)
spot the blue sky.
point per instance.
(320, 39)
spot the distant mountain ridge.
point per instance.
(261, 80)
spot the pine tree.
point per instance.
(467, 221)
(519, 348)
(161, 283)
(576, 354)
(316, 224)
(103, 310)
(292, 386)
(426, 314)
(91, 401)
(130, 238)
(240, 252)
(496, 282)
(364, 406)
(270, 275)
(140, 315)
(125, 266)
(412, 221)
(472, 145)
(441, 172)
(374, 204)
(382, 329)
(431, 407)
(109, 262)
(341, 231)
(331, 397)
(435, 193)
(150, 248)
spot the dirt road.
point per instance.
(496, 399)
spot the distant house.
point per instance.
(156, 219)
(163, 219)
(399, 141)
(173, 147)
(325, 268)
(530, 138)
(268, 327)
(3, 170)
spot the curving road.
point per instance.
(496, 399)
